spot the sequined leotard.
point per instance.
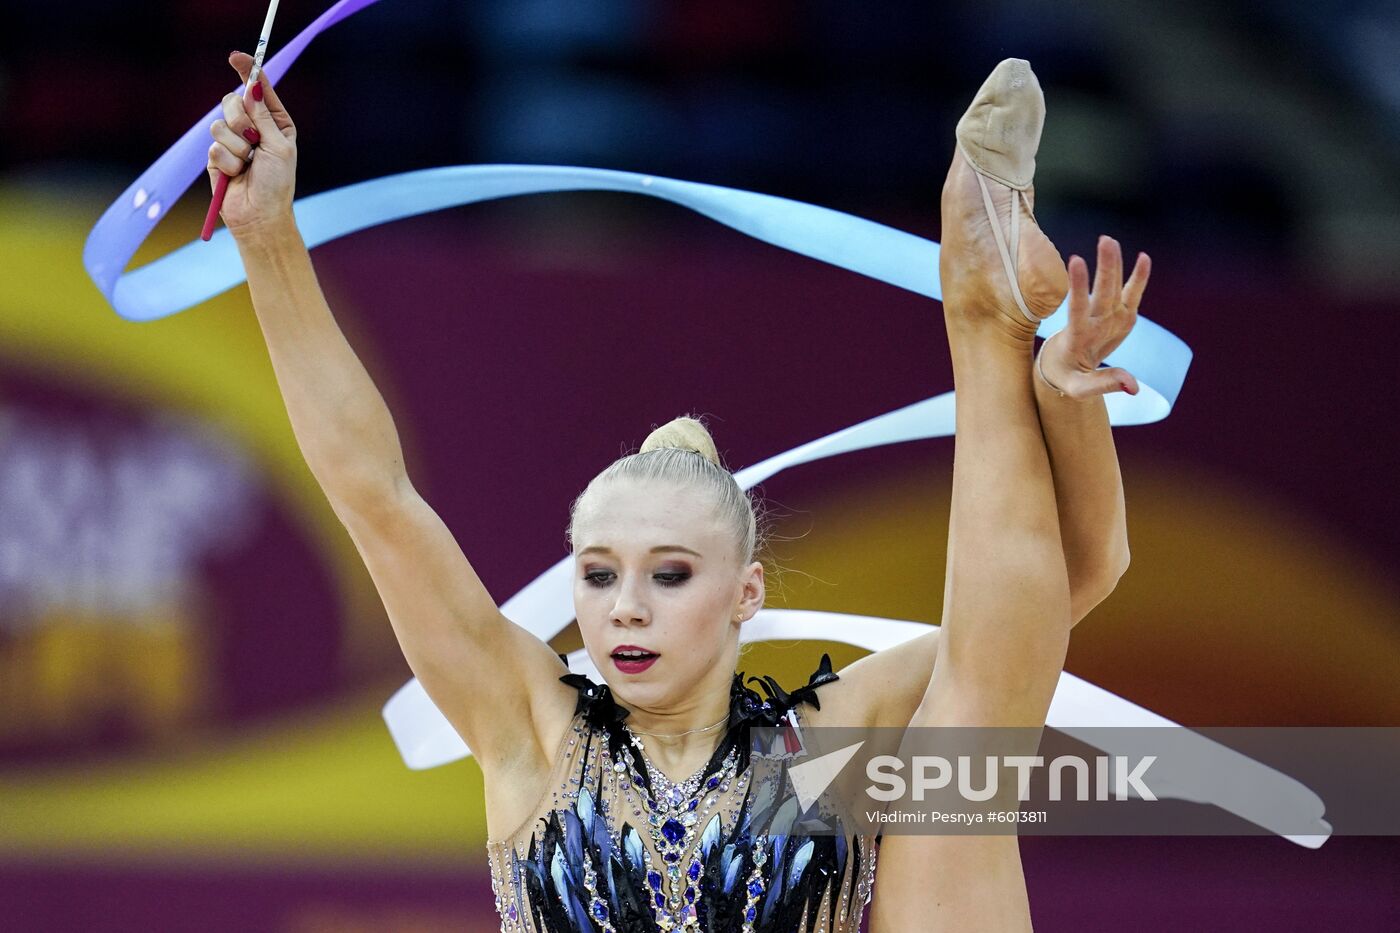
(616, 848)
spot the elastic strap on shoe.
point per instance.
(1007, 262)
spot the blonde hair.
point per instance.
(683, 452)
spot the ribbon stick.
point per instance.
(216, 203)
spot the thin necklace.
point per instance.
(676, 735)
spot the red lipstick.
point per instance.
(633, 659)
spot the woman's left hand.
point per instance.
(1098, 323)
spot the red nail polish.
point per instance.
(252, 135)
(257, 91)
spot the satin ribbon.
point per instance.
(424, 737)
(200, 270)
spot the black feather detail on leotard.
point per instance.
(797, 871)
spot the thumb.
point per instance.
(1104, 381)
(1086, 384)
(242, 63)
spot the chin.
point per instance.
(654, 688)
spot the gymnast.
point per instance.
(625, 806)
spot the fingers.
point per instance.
(223, 159)
(240, 146)
(256, 104)
(1137, 282)
(269, 107)
(234, 137)
(1078, 286)
(237, 120)
(1108, 275)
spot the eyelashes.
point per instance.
(601, 578)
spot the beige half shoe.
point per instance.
(998, 136)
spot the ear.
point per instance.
(753, 592)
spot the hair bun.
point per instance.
(686, 433)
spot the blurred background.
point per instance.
(192, 657)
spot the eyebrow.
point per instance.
(598, 548)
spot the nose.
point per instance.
(629, 608)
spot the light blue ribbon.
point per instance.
(200, 270)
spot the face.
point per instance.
(655, 569)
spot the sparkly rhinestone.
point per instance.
(620, 766)
(654, 879)
(688, 819)
(673, 831)
(694, 871)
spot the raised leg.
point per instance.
(1006, 613)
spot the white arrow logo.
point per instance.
(811, 778)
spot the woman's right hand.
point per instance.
(261, 191)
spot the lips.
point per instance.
(633, 659)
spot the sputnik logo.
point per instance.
(811, 778)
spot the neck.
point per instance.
(704, 723)
(675, 736)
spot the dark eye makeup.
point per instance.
(601, 578)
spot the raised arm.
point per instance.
(1069, 394)
(494, 681)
